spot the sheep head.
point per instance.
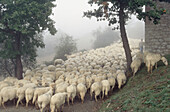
(164, 60)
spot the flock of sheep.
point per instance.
(150, 59)
(94, 71)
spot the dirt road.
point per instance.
(88, 106)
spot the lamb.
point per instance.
(81, 89)
(29, 93)
(38, 92)
(96, 87)
(71, 91)
(57, 100)
(105, 87)
(135, 65)
(152, 59)
(44, 99)
(121, 79)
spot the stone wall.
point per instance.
(157, 37)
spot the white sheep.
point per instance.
(89, 81)
(6, 94)
(105, 87)
(58, 61)
(11, 79)
(81, 90)
(51, 68)
(29, 93)
(44, 99)
(57, 101)
(112, 82)
(38, 92)
(61, 87)
(121, 79)
(96, 87)
(20, 95)
(71, 91)
(135, 65)
(152, 59)
(5, 84)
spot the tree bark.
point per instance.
(19, 67)
(124, 39)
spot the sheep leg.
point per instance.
(112, 88)
(106, 92)
(17, 103)
(42, 107)
(82, 97)
(72, 100)
(36, 105)
(21, 102)
(103, 93)
(26, 104)
(68, 101)
(52, 107)
(151, 68)
(156, 65)
(27, 101)
(133, 74)
(3, 105)
(148, 69)
(96, 98)
(91, 94)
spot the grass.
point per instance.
(143, 93)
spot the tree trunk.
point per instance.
(19, 68)
(125, 40)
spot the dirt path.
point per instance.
(88, 106)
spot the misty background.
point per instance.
(69, 19)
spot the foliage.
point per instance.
(143, 93)
(109, 10)
(21, 23)
(67, 45)
(28, 18)
(104, 38)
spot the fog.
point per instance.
(68, 15)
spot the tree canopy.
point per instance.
(117, 12)
(21, 22)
